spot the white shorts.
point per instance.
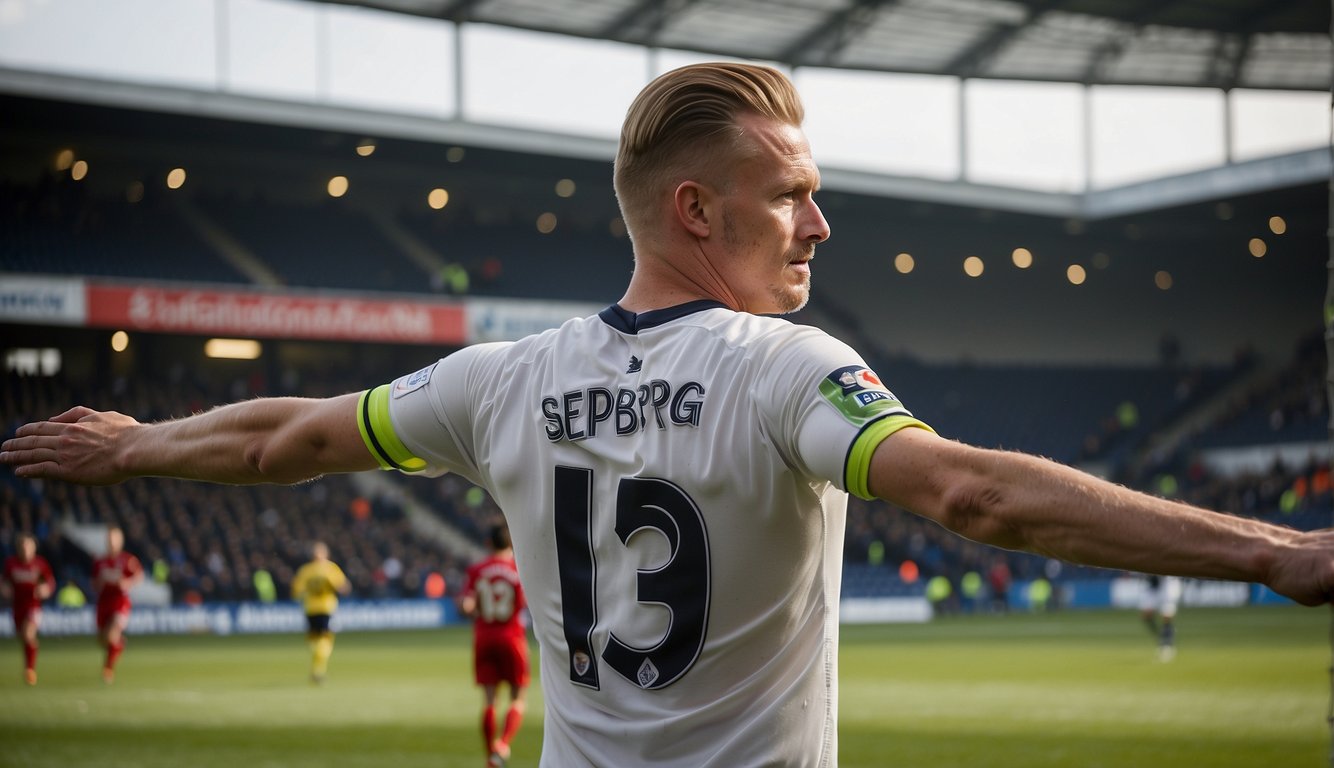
(1164, 599)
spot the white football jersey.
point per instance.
(674, 483)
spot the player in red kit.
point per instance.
(29, 581)
(114, 575)
(493, 598)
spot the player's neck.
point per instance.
(660, 281)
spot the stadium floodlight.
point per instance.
(232, 349)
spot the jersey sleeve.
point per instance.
(337, 576)
(422, 423)
(832, 411)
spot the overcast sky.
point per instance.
(1019, 134)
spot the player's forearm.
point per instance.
(230, 444)
(269, 440)
(1023, 502)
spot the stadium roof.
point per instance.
(1273, 44)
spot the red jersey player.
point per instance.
(493, 598)
(114, 575)
(29, 581)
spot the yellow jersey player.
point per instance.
(317, 585)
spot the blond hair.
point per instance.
(683, 120)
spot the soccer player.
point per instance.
(1160, 599)
(317, 585)
(27, 582)
(114, 575)
(493, 598)
(675, 468)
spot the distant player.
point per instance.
(1158, 609)
(317, 585)
(114, 575)
(28, 581)
(493, 598)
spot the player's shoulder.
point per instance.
(766, 331)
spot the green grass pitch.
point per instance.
(1250, 687)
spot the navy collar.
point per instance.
(629, 322)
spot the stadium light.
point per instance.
(337, 186)
(64, 159)
(973, 266)
(1163, 279)
(904, 263)
(546, 223)
(438, 198)
(455, 154)
(1022, 258)
(1258, 248)
(1277, 225)
(176, 178)
(120, 341)
(78, 170)
(232, 349)
(565, 188)
(366, 148)
(1075, 274)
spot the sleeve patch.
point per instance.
(858, 395)
(412, 382)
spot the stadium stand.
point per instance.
(56, 225)
(1156, 426)
(211, 539)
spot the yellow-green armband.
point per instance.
(857, 468)
(378, 432)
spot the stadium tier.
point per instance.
(207, 542)
(1157, 390)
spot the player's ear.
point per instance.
(692, 204)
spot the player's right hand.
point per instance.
(1304, 569)
(79, 446)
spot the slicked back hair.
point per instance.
(683, 123)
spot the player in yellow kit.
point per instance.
(318, 585)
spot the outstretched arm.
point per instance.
(268, 440)
(1017, 501)
(468, 606)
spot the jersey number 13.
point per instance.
(681, 584)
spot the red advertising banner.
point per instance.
(273, 315)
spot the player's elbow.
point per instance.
(976, 508)
(275, 461)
